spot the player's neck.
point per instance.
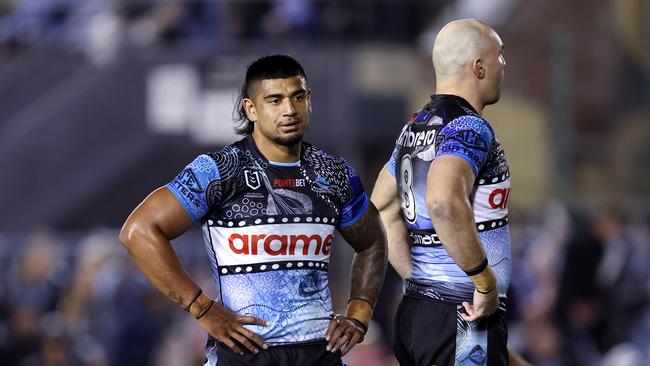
(279, 153)
(465, 92)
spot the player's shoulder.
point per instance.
(231, 151)
(223, 163)
(332, 170)
(318, 155)
(470, 130)
(469, 121)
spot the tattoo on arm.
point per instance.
(368, 239)
(176, 298)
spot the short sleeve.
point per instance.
(190, 186)
(357, 205)
(392, 161)
(467, 137)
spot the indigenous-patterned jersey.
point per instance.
(268, 228)
(449, 125)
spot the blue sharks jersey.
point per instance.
(268, 228)
(448, 125)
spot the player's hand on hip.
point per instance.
(484, 305)
(226, 327)
(343, 331)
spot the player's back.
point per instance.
(448, 125)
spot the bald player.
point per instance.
(443, 198)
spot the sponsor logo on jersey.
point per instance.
(291, 182)
(424, 117)
(477, 355)
(276, 245)
(252, 179)
(321, 185)
(189, 196)
(188, 179)
(425, 239)
(498, 198)
(471, 139)
(254, 195)
(435, 121)
(409, 138)
(490, 202)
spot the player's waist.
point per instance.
(451, 293)
(295, 330)
(316, 342)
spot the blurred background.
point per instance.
(102, 101)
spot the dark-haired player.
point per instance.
(268, 205)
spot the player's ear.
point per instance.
(249, 107)
(478, 68)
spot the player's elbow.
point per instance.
(442, 207)
(129, 233)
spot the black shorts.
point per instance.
(430, 332)
(310, 354)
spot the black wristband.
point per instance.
(478, 269)
(486, 292)
(194, 299)
(205, 311)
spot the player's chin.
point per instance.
(290, 138)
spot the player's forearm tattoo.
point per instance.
(176, 298)
(368, 239)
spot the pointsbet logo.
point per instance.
(276, 245)
(292, 182)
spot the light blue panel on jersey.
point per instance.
(496, 244)
(207, 240)
(190, 186)
(211, 355)
(433, 264)
(467, 137)
(296, 302)
(390, 166)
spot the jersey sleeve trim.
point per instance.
(468, 137)
(391, 167)
(179, 197)
(190, 186)
(354, 211)
(466, 158)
